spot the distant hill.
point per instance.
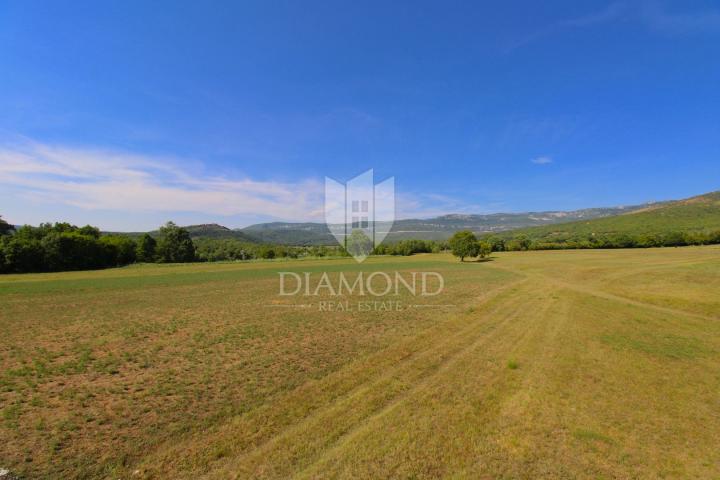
(696, 214)
(438, 228)
(206, 230)
(290, 233)
(213, 230)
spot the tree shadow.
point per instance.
(479, 260)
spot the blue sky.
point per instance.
(128, 114)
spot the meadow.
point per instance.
(538, 364)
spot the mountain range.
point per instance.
(699, 213)
(437, 228)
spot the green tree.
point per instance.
(266, 251)
(497, 244)
(464, 244)
(23, 255)
(523, 242)
(5, 227)
(146, 249)
(70, 250)
(89, 230)
(484, 249)
(175, 245)
(120, 250)
(358, 244)
(62, 246)
(3, 262)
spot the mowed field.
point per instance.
(556, 364)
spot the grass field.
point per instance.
(556, 364)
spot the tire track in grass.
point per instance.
(629, 301)
(596, 292)
(510, 335)
(302, 444)
(251, 431)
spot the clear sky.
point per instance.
(125, 114)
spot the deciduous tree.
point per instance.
(146, 249)
(464, 244)
(175, 245)
(5, 227)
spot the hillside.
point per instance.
(284, 233)
(699, 214)
(696, 214)
(215, 231)
(206, 230)
(438, 228)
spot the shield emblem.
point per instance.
(359, 214)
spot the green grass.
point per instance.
(590, 435)
(667, 345)
(571, 364)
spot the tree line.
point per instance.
(606, 240)
(410, 247)
(217, 250)
(465, 244)
(62, 247)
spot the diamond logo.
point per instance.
(359, 214)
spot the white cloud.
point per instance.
(125, 191)
(429, 205)
(652, 14)
(543, 160)
(610, 13)
(659, 18)
(95, 179)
